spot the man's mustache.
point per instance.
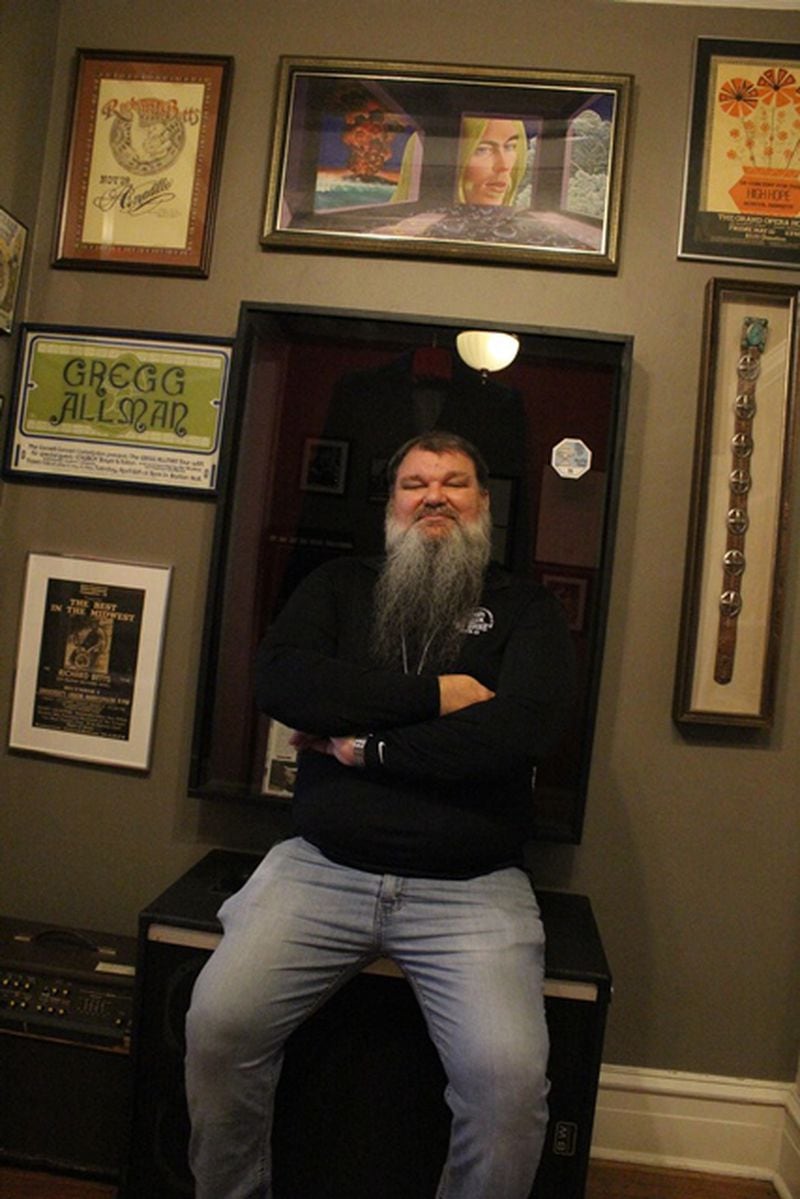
(443, 509)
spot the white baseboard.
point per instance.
(700, 1122)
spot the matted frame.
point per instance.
(143, 162)
(88, 659)
(739, 523)
(741, 195)
(118, 409)
(501, 165)
(13, 236)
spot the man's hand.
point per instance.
(340, 748)
(458, 691)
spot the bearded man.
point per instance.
(424, 688)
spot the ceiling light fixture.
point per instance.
(487, 350)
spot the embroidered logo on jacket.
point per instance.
(481, 621)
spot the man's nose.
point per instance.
(434, 496)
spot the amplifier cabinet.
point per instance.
(66, 1004)
(359, 1109)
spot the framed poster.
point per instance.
(143, 163)
(741, 199)
(88, 659)
(738, 536)
(446, 161)
(119, 409)
(13, 235)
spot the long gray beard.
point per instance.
(427, 589)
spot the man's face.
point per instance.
(487, 176)
(434, 493)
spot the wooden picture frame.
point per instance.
(741, 197)
(739, 523)
(88, 659)
(143, 162)
(458, 162)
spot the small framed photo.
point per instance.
(745, 447)
(13, 236)
(144, 157)
(324, 465)
(88, 659)
(502, 496)
(741, 198)
(498, 165)
(378, 484)
(571, 591)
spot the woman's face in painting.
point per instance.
(487, 175)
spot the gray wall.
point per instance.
(690, 852)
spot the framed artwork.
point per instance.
(741, 199)
(88, 659)
(324, 466)
(13, 236)
(446, 161)
(144, 156)
(738, 534)
(118, 409)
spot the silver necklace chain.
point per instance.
(422, 656)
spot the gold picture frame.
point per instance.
(13, 236)
(382, 157)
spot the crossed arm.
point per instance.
(451, 727)
(456, 691)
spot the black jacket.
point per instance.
(441, 796)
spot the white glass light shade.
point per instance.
(485, 350)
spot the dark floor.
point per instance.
(607, 1180)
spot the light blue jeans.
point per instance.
(473, 951)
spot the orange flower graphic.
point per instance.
(763, 113)
(738, 97)
(776, 86)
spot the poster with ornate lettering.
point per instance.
(88, 659)
(13, 235)
(118, 409)
(742, 182)
(143, 162)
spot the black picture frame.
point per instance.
(741, 191)
(118, 408)
(355, 373)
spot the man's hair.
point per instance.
(439, 441)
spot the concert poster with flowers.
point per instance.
(742, 181)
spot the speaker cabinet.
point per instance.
(360, 1109)
(66, 1002)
